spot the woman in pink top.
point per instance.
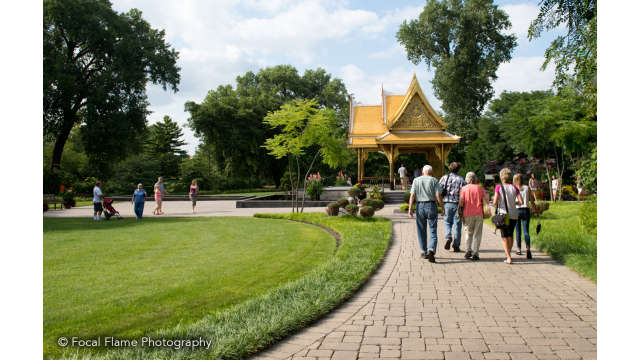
(471, 197)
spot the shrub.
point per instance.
(366, 211)
(366, 202)
(568, 193)
(286, 180)
(341, 179)
(376, 204)
(352, 209)
(333, 209)
(68, 197)
(314, 186)
(407, 196)
(85, 187)
(589, 216)
(342, 202)
(404, 207)
(354, 191)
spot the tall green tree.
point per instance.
(230, 121)
(465, 42)
(302, 126)
(97, 64)
(574, 53)
(164, 142)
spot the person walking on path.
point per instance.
(471, 198)
(554, 188)
(193, 194)
(138, 201)
(402, 171)
(506, 198)
(534, 186)
(524, 215)
(425, 191)
(451, 185)
(97, 201)
(159, 192)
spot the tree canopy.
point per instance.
(164, 142)
(97, 64)
(464, 41)
(230, 121)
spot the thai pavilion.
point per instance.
(401, 124)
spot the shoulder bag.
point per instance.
(486, 209)
(501, 221)
(443, 193)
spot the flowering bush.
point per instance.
(68, 197)
(341, 179)
(314, 186)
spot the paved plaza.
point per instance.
(453, 309)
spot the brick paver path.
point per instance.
(455, 309)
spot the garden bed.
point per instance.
(277, 201)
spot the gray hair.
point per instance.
(140, 184)
(427, 169)
(470, 178)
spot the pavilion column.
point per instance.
(392, 152)
(434, 160)
(363, 154)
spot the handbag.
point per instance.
(501, 221)
(443, 193)
(486, 209)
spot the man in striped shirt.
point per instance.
(451, 185)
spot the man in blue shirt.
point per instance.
(425, 191)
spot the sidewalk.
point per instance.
(455, 309)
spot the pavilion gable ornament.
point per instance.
(415, 112)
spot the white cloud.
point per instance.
(521, 16)
(523, 74)
(395, 50)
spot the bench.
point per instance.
(51, 200)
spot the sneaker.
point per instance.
(529, 254)
(447, 245)
(475, 257)
(423, 255)
(456, 249)
(467, 255)
(431, 256)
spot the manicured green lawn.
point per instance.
(258, 322)
(566, 240)
(126, 278)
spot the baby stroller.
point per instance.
(109, 210)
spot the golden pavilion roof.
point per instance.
(400, 119)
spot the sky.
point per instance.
(352, 40)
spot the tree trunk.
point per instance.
(291, 183)
(61, 140)
(304, 192)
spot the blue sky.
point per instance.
(352, 40)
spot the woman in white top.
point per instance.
(524, 214)
(511, 194)
(554, 187)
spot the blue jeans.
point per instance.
(451, 219)
(138, 207)
(427, 212)
(524, 214)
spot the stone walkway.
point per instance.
(455, 309)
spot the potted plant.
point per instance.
(68, 198)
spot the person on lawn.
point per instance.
(138, 201)
(97, 201)
(451, 185)
(425, 191)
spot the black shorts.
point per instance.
(97, 207)
(508, 231)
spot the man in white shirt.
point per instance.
(97, 201)
(403, 176)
